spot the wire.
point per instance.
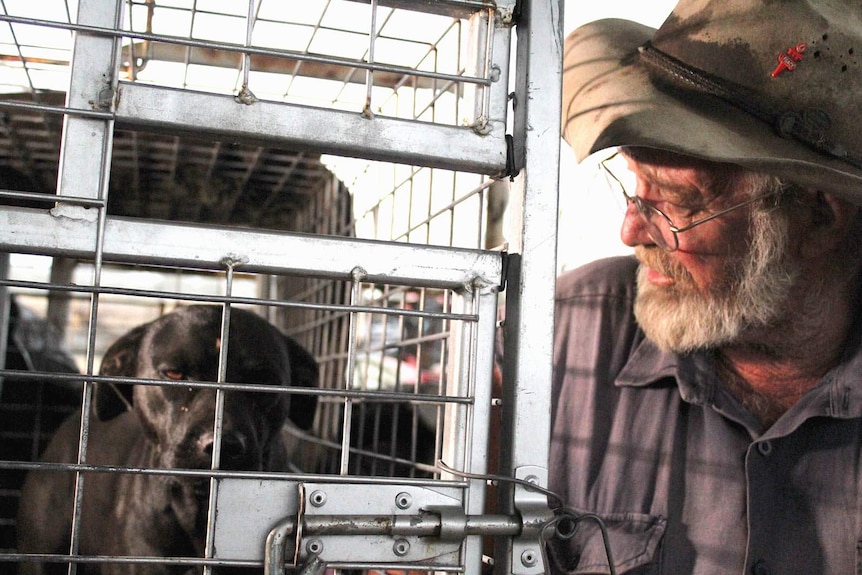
(499, 478)
(569, 514)
(561, 513)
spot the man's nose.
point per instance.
(634, 229)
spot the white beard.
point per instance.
(756, 293)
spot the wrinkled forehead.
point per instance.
(718, 178)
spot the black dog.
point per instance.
(154, 426)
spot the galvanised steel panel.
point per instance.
(72, 230)
(194, 246)
(313, 129)
(530, 287)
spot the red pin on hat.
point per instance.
(788, 60)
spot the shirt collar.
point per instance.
(648, 365)
(839, 393)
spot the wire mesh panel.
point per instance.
(252, 254)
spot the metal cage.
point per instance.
(377, 179)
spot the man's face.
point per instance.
(729, 275)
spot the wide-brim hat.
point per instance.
(772, 86)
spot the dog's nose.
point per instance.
(234, 447)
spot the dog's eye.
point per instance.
(174, 374)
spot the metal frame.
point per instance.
(451, 508)
(531, 279)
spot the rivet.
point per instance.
(529, 558)
(401, 547)
(403, 500)
(317, 498)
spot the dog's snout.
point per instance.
(234, 446)
(205, 444)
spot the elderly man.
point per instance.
(708, 391)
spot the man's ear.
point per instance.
(831, 220)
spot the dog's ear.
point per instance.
(303, 372)
(110, 399)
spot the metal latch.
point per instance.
(378, 526)
(371, 523)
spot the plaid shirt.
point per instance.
(685, 479)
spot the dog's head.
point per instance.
(184, 346)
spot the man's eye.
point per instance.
(174, 374)
(679, 212)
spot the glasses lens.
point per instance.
(658, 225)
(619, 176)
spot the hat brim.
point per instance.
(610, 100)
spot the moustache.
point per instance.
(657, 259)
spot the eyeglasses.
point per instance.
(660, 227)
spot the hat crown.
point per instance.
(770, 84)
(742, 40)
(792, 58)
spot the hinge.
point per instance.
(504, 275)
(511, 167)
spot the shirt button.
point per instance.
(765, 448)
(760, 568)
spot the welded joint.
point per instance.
(480, 285)
(507, 11)
(245, 97)
(105, 100)
(72, 212)
(232, 261)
